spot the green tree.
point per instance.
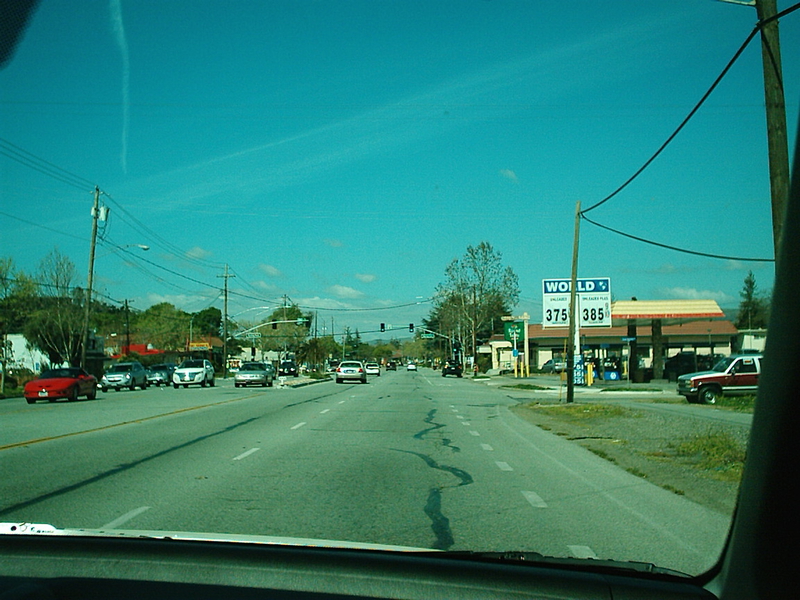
(164, 326)
(754, 308)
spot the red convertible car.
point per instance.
(65, 382)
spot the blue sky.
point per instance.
(343, 153)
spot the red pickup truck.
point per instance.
(733, 375)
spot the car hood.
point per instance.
(50, 384)
(690, 375)
(50, 530)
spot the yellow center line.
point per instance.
(105, 427)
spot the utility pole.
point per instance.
(573, 313)
(90, 278)
(777, 144)
(226, 276)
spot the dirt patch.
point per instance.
(681, 454)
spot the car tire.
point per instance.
(213, 382)
(338, 380)
(203, 383)
(132, 387)
(104, 389)
(269, 383)
(30, 400)
(175, 385)
(92, 395)
(709, 394)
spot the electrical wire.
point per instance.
(669, 140)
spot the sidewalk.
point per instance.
(556, 382)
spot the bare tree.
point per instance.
(476, 292)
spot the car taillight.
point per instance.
(361, 370)
(338, 369)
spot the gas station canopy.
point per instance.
(670, 312)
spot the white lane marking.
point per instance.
(342, 401)
(299, 425)
(475, 433)
(487, 447)
(582, 552)
(455, 410)
(246, 454)
(322, 412)
(503, 466)
(534, 499)
(460, 416)
(125, 518)
(466, 423)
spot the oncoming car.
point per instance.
(254, 373)
(351, 370)
(194, 371)
(66, 382)
(126, 375)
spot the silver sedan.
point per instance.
(351, 370)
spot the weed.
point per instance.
(716, 452)
(525, 386)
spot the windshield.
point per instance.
(192, 364)
(58, 373)
(311, 185)
(252, 367)
(723, 365)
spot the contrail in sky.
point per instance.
(119, 33)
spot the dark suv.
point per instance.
(452, 367)
(288, 368)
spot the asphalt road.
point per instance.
(409, 459)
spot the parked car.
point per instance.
(554, 365)
(254, 373)
(66, 382)
(194, 371)
(452, 367)
(373, 368)
(160, 374)
(288, 367)
(688, 362)
(351, 370)
(124, 375)
(732, 376)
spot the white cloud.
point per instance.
(366, 277)
(270, 271)
(684, 293)
(198, 252)
(343, 291)
(509, 174)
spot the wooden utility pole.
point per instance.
(573, 313)
(777, 143)
(90, 277)
(226, 276)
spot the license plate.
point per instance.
(43, 393)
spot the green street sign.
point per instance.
(426, 336)
(512, 330)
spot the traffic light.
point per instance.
(383, 327)
(411, 327)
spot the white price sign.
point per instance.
(593, 302)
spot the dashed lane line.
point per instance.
(534, 499)
(246, 454)
(125, 518)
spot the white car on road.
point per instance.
(411, 367)
(194, 371)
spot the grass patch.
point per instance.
(716, 452)
(631, 389)
(580, 413)
(11, 392)
(317, 375)
(744, 404)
